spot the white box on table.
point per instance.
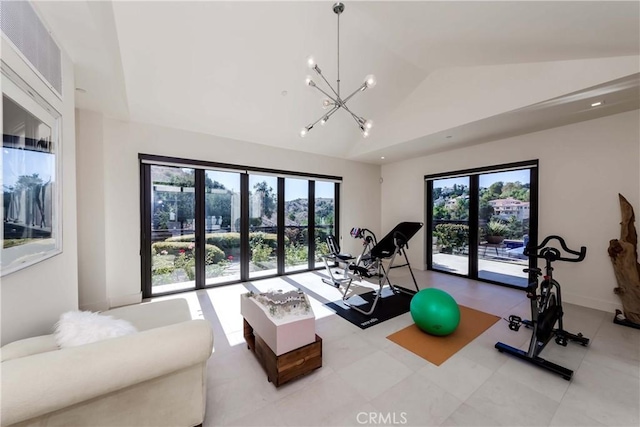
(282, 334)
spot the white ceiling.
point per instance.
(221, 67)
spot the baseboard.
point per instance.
(607, 306)
(95, 306)
(130, 299)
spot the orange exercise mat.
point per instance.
(438, 349)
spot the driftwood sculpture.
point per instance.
(624, 256)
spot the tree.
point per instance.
(485, 209)
(268, 199)
(495, 190)
(440, 212)
(461, 210)
(437, 192)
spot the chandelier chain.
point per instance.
(339, 58)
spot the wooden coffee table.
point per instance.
(284, 342)
(288, 366)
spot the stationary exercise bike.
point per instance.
(546, 309)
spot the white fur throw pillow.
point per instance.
(84, 327)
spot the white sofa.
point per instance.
(156, 377)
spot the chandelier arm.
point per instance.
(358, 119)
(316, 122)
(335, 101)
(354, 92)
(333, 110)
(329, 84)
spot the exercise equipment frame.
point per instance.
(546, 310)
(393, 244)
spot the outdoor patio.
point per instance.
(504, 270)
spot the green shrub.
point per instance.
(186, 263)
(268, 239)
(296, 255)
(321, 249)
(162, 264)
(213, 254)
(172, 248)
(261, 253)
(497, 228)
(452, 236)
(230, 242)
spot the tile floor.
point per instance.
(368, 380)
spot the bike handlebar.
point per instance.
(553, 254)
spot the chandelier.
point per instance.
(333, 102)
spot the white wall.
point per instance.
(33, 298)
(119, 227)
(91, 212)
(583, 167)
(455, 96)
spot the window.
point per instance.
(207, 224)
(480, 221)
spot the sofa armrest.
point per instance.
(155, 314)
(36, 385)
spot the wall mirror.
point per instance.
(31, 191)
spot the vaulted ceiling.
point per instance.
(449, 74)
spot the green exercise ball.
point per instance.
(435, 312)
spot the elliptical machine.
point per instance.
(546, 309)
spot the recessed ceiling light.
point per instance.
(597, 104)
(79, 89)
(382, 157)
(284, 93)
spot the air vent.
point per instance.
(21, 25)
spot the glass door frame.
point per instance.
(146, 161)
(474, 189)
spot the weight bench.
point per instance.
(393, 244)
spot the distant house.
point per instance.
(506, 208)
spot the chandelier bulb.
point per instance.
(324, 120)
(326, 103)
(370, 80)
(304, 132)
(365, 134)
(311, 62)
(368, 124)
(309, 81)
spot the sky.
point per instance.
(294, 188)
(16, 162)
(486, 179)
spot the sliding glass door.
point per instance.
(263, 226)
(481, 220)
(222, 227)
(450, 225)
(296, 219)
(324, 218)
(503, 226)
(205, 224)
(173, 254)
